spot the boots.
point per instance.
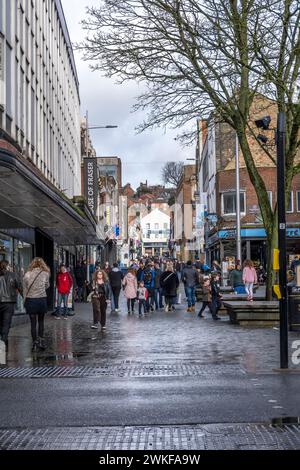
(35, 346)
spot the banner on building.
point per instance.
(91, 183)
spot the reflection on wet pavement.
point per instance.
(159, 337)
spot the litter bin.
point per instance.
(294, 309)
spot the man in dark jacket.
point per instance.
(157, 289)
(9, 288)
(190, 280)
(115, 278)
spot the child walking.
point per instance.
(142, 295)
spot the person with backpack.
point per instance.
(148, 278)
(10, 286)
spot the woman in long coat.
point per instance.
(169, 282)
(130, 289)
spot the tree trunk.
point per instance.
(272, 242)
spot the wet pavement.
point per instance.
(146, 383)
(159, 337)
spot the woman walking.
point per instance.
(100, 297)
(130, 289)
(169, 283)
(249, 278)
(35, 283)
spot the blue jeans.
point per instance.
(62, 298)
(240, 290)
(158, 298)
(190, 295)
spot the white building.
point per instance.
(155, 233)
(39, 94)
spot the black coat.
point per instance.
(169, 283)
(115, 278)
(9, 287)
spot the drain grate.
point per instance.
(122, 370)
(196, 437)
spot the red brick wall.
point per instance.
(225, 181)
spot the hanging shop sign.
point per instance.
(91, 183)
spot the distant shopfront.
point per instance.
(222, 244)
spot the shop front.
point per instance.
(38, 220)
(222, 245)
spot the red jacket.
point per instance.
(64, 283)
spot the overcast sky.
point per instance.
(108, 103)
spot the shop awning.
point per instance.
(27, 199)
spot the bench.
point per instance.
(258, 312)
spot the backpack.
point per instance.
(147, 277)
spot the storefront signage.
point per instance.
(90, 183)
(293, 232)
(255, 233)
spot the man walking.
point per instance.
(115, 278)
(190, 280)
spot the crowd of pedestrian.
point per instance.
(149, 284)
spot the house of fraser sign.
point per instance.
(91, 183)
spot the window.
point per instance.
(148, 226)
(290, 204)
(156, 226)
(228, 203)
(298, 200)
(156, 235)
(270, 195)
(166, 226)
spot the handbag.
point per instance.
(89, 297)
(24, 299)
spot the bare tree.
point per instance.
(172, 173)
(195, 57)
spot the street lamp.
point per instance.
(102, 127)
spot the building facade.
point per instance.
(42, 212)
(155, 229)
(217, 182)
(40, 105)
(183, 238)
(109, 211)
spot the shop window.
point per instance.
(229, 203)
(6, 248)
(298, 200)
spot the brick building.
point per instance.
(217, 180)
(183, 218)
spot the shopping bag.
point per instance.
(179, 298)
(2, 353)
